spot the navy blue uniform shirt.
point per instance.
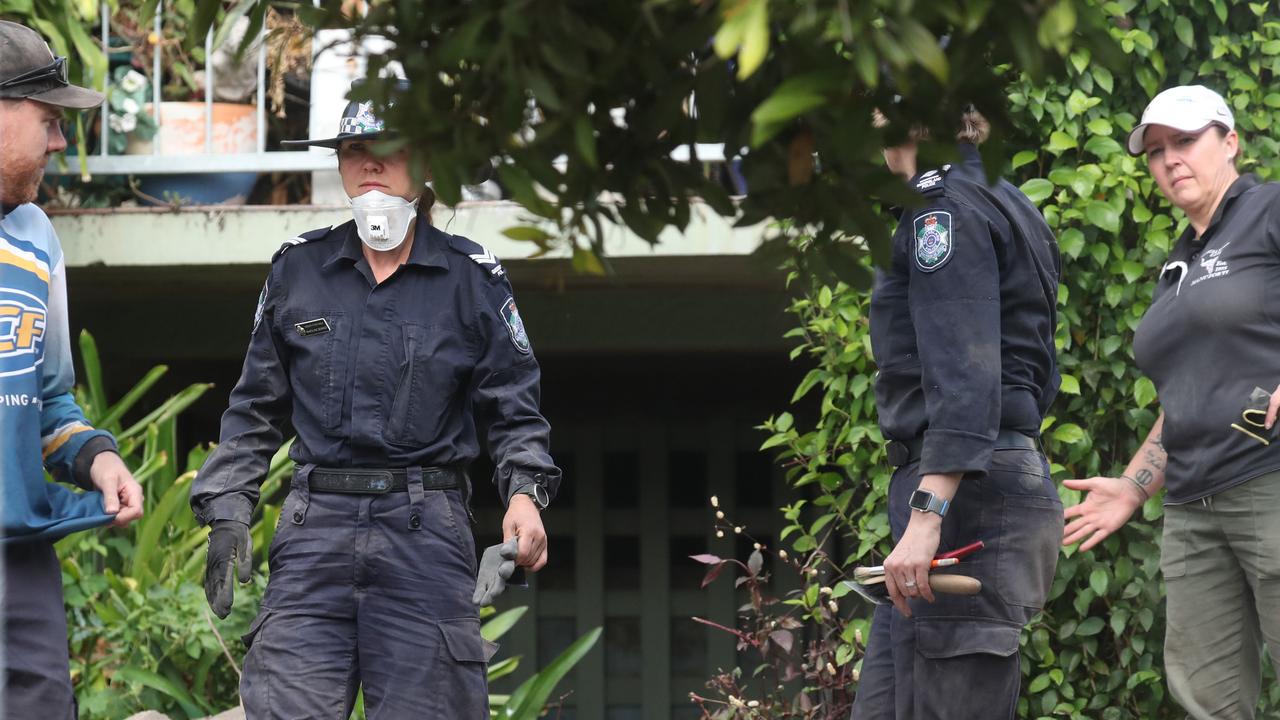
(409, 372)
(962, 322)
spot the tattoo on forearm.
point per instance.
(1157, 457)
(1144, 477)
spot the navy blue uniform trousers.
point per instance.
(957, 658)
(37, 677)
(369, 591)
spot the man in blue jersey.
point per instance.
(41, 427)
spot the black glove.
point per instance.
(496, 566)
(229, 548)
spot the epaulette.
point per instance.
(931, 183)
(478, 254)
(308, 236)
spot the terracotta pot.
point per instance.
(235, 129)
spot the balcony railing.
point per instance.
(262, 160)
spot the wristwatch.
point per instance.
(536, 492)
(925, 501)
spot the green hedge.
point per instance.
(1095, 652)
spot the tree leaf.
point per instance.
(1144, 391)
(1098, 581)
(1103, 215)
(1186, 34)
(1037, 189)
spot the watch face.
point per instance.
(920, 500)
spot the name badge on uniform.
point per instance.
(313, 327)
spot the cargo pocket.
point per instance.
(949, 638)
(1030, 535)
(461, 687)
(255, 628)
(1173, 543)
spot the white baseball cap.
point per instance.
(1189, 108)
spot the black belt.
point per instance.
(363, 481)
(905, 452)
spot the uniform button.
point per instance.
(415, 522)
(297, 517)
(1195, 255)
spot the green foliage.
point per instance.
(586, 100)
(141, 634)
(1096, 650)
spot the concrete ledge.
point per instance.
(222, 235)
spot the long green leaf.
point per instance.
(168, 408)
(153, 524)
(130, 398)
(93, 377)
(147, 469)
(503, 668)
(498, 626)
(161, 684)
(229, 21)
(528, 700)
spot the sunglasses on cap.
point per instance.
(55, 71)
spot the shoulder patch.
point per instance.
(303, 238)
(478, 255)
(933, 240)
(262, 302)
(515, 326)
(931, 182)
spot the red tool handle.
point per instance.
(965, 551)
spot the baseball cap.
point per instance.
(358, 121)
(1189, 108)
(28, 69)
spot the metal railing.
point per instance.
(154, 162)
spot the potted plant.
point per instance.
(180, 120)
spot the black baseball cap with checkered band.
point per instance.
(29, 70)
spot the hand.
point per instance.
(1108, 506)
(121, 494)
(496, 566)
(524, 520)
(1273, 408)
(906, 570)
(230, 548)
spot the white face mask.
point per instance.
(383, 220)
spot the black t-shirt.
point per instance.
(1212, 335)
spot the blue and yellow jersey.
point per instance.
(40, 424)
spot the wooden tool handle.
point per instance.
(955, 584)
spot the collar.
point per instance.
(1242, 184)
(970, 161)
(427, 250)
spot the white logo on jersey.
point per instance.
(1213, 265)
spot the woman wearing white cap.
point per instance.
(1211, 344)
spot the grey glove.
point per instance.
(496, 566)
(230, 548)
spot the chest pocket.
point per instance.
(432, 365)
(318, 367)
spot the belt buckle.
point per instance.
(379, 483)
(897, 453)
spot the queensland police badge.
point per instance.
(515, 326)
(933, 240)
